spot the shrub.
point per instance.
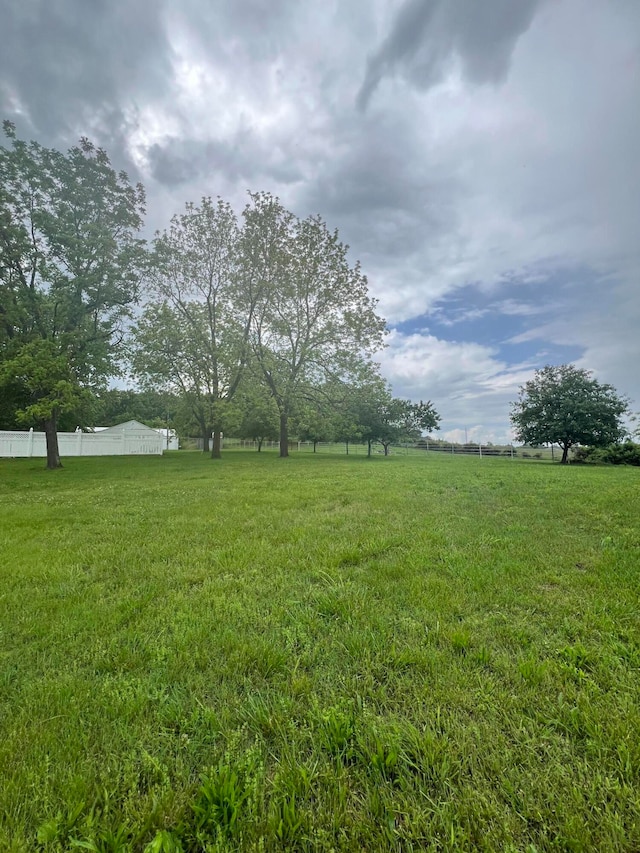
(627, 453)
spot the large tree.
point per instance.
(70, 266)
(193, 338)
(565, 405)
(312, 318)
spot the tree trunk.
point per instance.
(565, 455)
(369, 447)
(216, 452)
(314, 446)
(386, 449)
(51, 433)
(204, 431)
(284, 435)
(259, 444)
(346, 444)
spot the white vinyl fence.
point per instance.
(81, 444)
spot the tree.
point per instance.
(420, 419)
(44, 373)
(193, 339)
(391, 420)
(259, 414)
(70, 266)
(167, 357)
(315, 422)
(368, 412)
(406, 421)
(565, 405)
(312, 318)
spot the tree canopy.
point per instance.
(193, 337)
(565, 405)
(70, 267)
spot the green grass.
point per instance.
(319, 653)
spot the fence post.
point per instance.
(30, 445)
(79, 442)
(512, 451)
(480, 450)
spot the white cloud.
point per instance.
(468, 384)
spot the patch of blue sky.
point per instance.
(513, 316)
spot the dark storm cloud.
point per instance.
(426, 34)
(383, 194)
(70, 66)
(240, 159)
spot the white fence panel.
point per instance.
(14, 444)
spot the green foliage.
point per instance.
(259, 413)
(625, 453)
(106, 840)
(565, 405)
(337, 731)
(44, 374)
(117, 405)
(286, 819)
(371, 414)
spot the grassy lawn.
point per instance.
(319, 653)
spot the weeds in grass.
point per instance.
(484, 656)
(286, 820)
(220, 799)
(164, 842)
(578, 657)
(380, 754)
(460, 641)
(58, 830)
(532, 671)
(106, 841)
(336, 732)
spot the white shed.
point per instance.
(136, 438)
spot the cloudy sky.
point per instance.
(482, 159)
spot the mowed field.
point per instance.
(319, 653)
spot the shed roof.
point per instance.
(130, 426)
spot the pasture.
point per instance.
(319, 653)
